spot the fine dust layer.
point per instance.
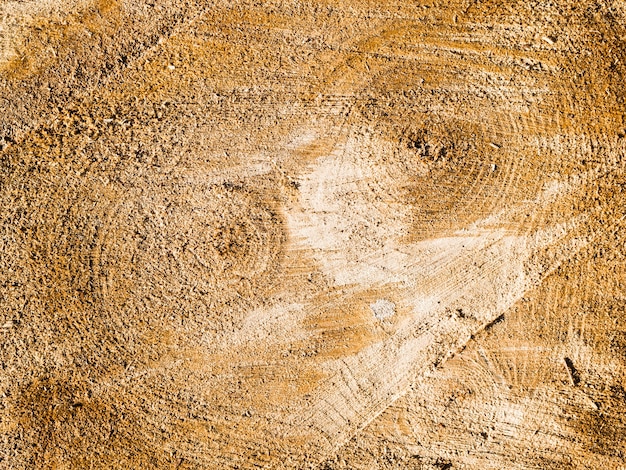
(312, 234)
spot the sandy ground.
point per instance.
(312, 235)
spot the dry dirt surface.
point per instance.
(300, 234)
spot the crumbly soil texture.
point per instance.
(312, 234)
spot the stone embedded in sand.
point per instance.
(383, 309)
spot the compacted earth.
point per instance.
(312, 234)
